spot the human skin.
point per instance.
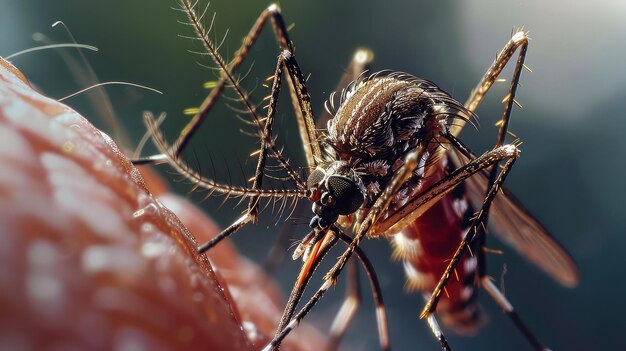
(90, 258)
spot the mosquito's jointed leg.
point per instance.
(324, 244)
(272, 13)
(507, 307)
(407, 214)
(518, 40)
(231, 229)
(359, 64)
(253, 205)
(399, 178)
(287, 325)
(417, 206)
(227, 78)
(477, 225)
(434, 327)
(267, 130)
(255, 193)
(353, 300)
(351, 304)
(302, 106)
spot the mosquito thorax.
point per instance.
(336, 190)
(380, 119)
(378, 115)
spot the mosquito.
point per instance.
(384, 160)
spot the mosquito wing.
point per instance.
(516, 227)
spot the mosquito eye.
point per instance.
(315, 178)
(346, 193)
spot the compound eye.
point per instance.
(315, 178)
(346, 193)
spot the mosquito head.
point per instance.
(336, 190)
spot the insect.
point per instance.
(388, 164)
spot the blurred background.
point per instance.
(572, 126)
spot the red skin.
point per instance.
(81, 269)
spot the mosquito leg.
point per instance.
(212, 186)
(399, 178)
(518, 40)
(267, 131)
(297, 87)
(358, 65)
(322, 247)
(477, 224)
(507, 307)
(434, 327)
(302, 105)
(253, 205)
(273, 13)
(377, 295)
(231, 229)
(407, 214)
(351, 304)
(254, 193)
(417, 206)
(227, 78)
(381, 315)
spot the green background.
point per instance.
(573, 126)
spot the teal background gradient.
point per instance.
(573, 126)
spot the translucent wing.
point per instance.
(516, 227)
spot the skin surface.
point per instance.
(91, 259)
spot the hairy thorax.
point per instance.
(382, 118)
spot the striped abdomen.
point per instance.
(426, 246)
